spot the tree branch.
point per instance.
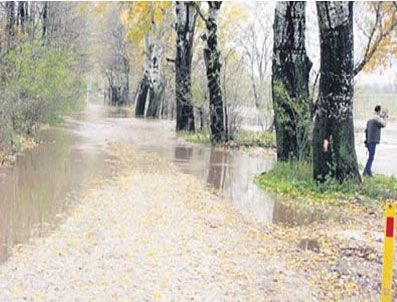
(372, 48)
(200, 13)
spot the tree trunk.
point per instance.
(156, 82)
(22, 14)
(115, 95)
(186, 22)
(213, 66)
(10, 27)
(201, 112)
(125, 95)
(144, 86)
(45, 20)
(155, 95)
(290, 81)
(152, 84)
(334, 152)
(141, 96)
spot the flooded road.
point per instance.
(45, 182)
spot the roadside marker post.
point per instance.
(388, 254)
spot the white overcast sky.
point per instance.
(312, 37)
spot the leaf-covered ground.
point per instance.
(149, 232)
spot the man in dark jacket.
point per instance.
(372, 136)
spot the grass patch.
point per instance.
(263, 139)
(196, 137)
(242, 138)
(294, 180)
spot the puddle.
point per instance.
(43, 184)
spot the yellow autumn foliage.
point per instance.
(387, 45)
(141, 17)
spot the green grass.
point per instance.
(263, 139)
(294, 180)
(242, 138)
(196, 137)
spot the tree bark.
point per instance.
(156, 82)
(125, 88)
(144, 86)
(334, 153)
(155, 94)
(45, 19)
(141, 96)
(290, 81)
(10, 27)
(213, 66)
(152, 85)
(22, 14)
(186, 22)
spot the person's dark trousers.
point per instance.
(371, 149)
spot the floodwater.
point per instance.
(37, 192)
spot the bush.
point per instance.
(37, 82)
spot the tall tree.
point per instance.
(147, 21)
(156, 81)
(186, 21)
(213, 67)
(151, 86)
(144, 85)
(10, 27)
(334, 152)
(45, 18)
(22, 14)
(141, 97)
(290, 81)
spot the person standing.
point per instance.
(372, 136)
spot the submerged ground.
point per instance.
(138, 228)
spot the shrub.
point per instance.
(37, 82)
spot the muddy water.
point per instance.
(45, 182)
(42, 185)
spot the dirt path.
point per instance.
(150, 232)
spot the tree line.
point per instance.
(315, 128)
(197, 62)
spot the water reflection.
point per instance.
(218, 167)
(232, 174)
(43, 183)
